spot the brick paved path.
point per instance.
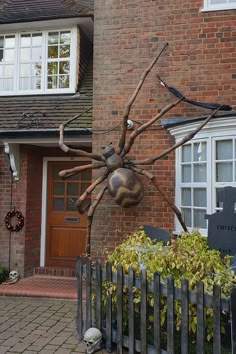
(38, 325)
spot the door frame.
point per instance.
(44, 200)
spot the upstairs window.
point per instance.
(215, 5)
(38, 62)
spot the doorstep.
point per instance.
(61, 287)
(55, 271)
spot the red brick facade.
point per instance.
(200, 61)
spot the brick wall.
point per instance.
(200, 62)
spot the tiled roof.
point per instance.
(34, 10)
(32, 112)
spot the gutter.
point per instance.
(43, 133)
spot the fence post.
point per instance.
(143, 311)
(233, 319)
(88, 294)
(131, 310)
(170, 315)
(79, 317)
(119, 309)
(200, 318)
(108, 309)
(98, 307)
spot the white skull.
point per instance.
(92, 338)
(13, 275)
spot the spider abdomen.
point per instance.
(125, 187)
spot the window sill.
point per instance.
(32, 93)
(216, 8)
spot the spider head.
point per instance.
(108, 151)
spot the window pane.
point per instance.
(86, 175)
(52, 82)
(199, 174)
(52, 68)
(36, 83)
(224, 172)
(186, 153)
(8, 71)
(53, 52)
(1, 41)
(64, 81)
(36, 39)
(187, 216)
(71, 204)
(186, 173)
(84, 186)
(25, 70)
(25, 83)
(224, 150)
(58, 203)
(199, 152)
(25, 54)
(64, 67)
(9, 41)
(72, 189)
(1, 54)
(65, 37)
(199, 197)
(219, 202)
(58, 188)
(186, 197)
(25, 40)
(199, 219)
(8, 85)
(64, 51)
(9, 55)
(36, 69)
(36, 53)
(52, 37)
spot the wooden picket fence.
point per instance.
(91, 275)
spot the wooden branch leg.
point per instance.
(80, 202)
(90, 218)
(76, 152)
(152, 178)
(154, 158)
(78, 169)
(133, 97)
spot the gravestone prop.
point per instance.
(156, 233)
(222, 225)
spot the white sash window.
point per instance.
(38, 62)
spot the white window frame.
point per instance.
(44, 91)
(208, 6)
(217, 129)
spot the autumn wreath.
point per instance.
(19, 220)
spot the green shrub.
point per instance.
(186, 256)
(3, 274)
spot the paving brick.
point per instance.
(4, 349)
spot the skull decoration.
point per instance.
(14, 275)
(92, 338)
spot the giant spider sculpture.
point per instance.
(121, 173)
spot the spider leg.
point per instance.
(152, 178)
(76, 152)
(88, 191)
(75, 170)
(154, 158)
(144, 126)
(90, 217)
(132, 99)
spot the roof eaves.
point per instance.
(42, 133)
(178, 121)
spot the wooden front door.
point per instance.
(66, 228)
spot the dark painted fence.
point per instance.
(90, 312)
